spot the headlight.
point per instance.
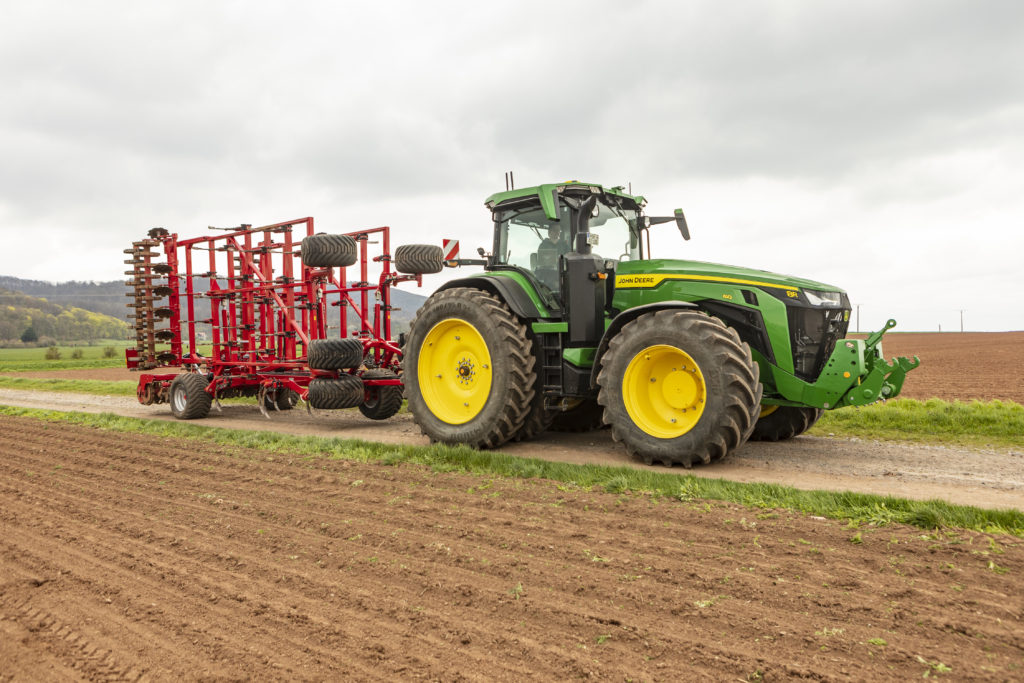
(823, 298)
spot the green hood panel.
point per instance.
(636, 273)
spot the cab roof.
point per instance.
(544, 194)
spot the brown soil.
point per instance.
(172, 559)
(964, 366)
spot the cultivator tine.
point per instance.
(261, 400)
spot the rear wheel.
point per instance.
(380, 403)
(778, 423)
(679, 387)
(469, 373)
(189, 400)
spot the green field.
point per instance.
(30, 359)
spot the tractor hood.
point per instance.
(653, 272)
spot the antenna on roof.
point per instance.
(506, 181)
(512, 180)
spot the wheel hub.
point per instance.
(454, 371)
(664, 391)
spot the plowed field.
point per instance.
(170, 560)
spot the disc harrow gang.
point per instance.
(242, 309)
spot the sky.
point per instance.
(876, 146)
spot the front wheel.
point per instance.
(469, 369)
(679, 387)
(779, 423)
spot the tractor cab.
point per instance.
(540, 230)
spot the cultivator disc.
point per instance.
(148, 285)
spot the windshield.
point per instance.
(616, 239)
(529, 240)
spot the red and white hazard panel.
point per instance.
(450, 249)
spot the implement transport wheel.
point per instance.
(586, 416)
(778, 423)
(286, 400)
(679, 387)
(380, 403)
(418, 258)
(189, 400)
(336, 394)
(335, 354)
(469, 369)
(328, 251)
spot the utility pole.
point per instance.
(961, 320)
(858, 318)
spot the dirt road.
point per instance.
(172, 560)
(986, 478)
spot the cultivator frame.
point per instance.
(266, 306)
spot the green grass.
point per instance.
(995, 423)
(74, 386)
(26, 360)
(859, 508)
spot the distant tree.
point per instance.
(52, 353)
(77, 354)
(29, 335)
(109, 352)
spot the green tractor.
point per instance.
(574, 325)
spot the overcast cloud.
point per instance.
(878, 146)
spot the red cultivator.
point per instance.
(245, 313)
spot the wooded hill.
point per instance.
(31, 319)
(108, 298)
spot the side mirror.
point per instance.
(679, 218)
(684, 229)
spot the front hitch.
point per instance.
(883, 380)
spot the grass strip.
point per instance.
(73, 386)
(975, 423)
(858, 508)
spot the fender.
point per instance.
(627, 316)
(506, 289)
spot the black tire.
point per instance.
(336, 394)
(380, 403)
(418, 258)
(329, 251)
(503, 386)
(702, 365)
(286, 400)
(584, 417)
(335, 354)
(189, 400)
(785, 422)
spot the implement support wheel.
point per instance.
(679, 387)
(380, 403)
(189, 400)
(469, 369)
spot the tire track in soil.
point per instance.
(418, 576)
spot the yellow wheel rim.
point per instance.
(664, 392)
(767, 410)
(454, 371)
